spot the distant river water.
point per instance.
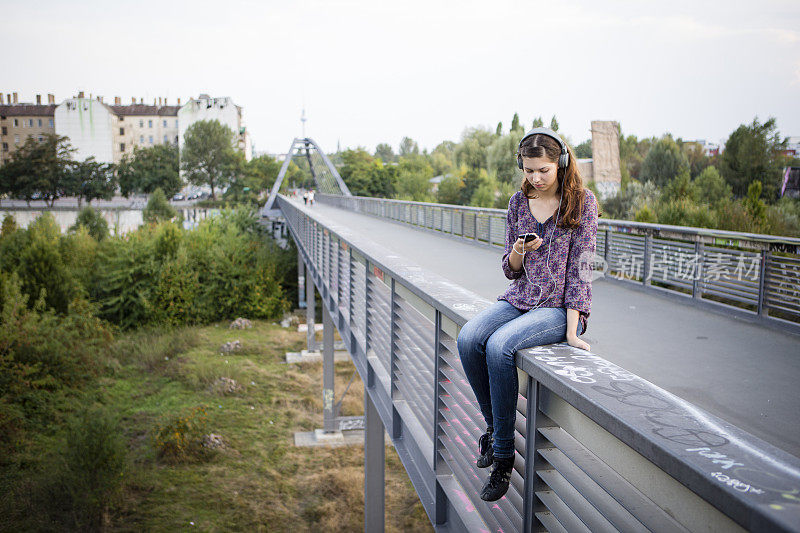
(120, 220)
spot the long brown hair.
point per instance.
(569, 178)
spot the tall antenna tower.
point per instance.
(303, 120)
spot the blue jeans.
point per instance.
(487, 345)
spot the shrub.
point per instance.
(94, 463)
(9, 225)
(158, 208)
(93, 221)
(645, 214)
(180, 438)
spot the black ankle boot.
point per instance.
(497, 484)
(485, 451)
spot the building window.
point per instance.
(5, 147)
(16, 139)
(41, 138)
(51, 123)
(165, 123)
(151, 139)
(121, 147)
(166, 139)
(30, 122)
(141, 139)
(141, 123)
(40, 123)
(176, 140)
(16, 123)
(149, 123)
(176, 123)
(122, 131)
(5, 130)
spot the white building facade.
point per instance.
(89, 125)
(221, 109)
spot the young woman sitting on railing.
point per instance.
(548, 300)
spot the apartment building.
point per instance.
(222, 109)
(18, 121)
(108, 132)
(144, 125)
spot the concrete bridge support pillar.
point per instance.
(301, 281)
(328, 409)
(374, 461)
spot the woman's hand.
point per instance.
(528, 246)
(576, 342)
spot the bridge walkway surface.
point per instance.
(742, 372)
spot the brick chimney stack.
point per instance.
(38, 99)
(179, 101)
(15, 97)
(80, 94)
(51, 99)
(1, 98)
(133, 100)
(117, 100)
(141, 100)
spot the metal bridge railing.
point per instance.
(597, 448)
(752, 275)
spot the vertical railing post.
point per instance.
(646, 261)
(489, 237)
(607, 244)
(366, 306)
(311, 305)
(328, 414)
(475, 227)
(762, 283)
(698, 257)
(374, 465)
(529, 487)
(440, 505)
(396, 432)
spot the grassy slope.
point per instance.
(261, 482)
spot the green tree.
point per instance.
(408, 146)
(413, 179)
(554, 123)
(664, 161)
(9, 225)
(158, 208)
(474, 179)
(681, 187)
(711, 187)
(449, 191)
(584, 150)
(148, 169)
(39, 168)
(208, 156)
(385, 153)
(753, 153)
(499, 130)
(501, 157)
(538, 123)
(696, 155)
(93, 221)
(471, 151)
(754, 206)
(91, 180)
(515, 125)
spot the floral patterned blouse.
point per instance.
(571, 255)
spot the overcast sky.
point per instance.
(372, 71)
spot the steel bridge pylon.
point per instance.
(325, 175)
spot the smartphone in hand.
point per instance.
(529, 237)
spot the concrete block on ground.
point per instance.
(306, 356)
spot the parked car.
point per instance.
(178, 197)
